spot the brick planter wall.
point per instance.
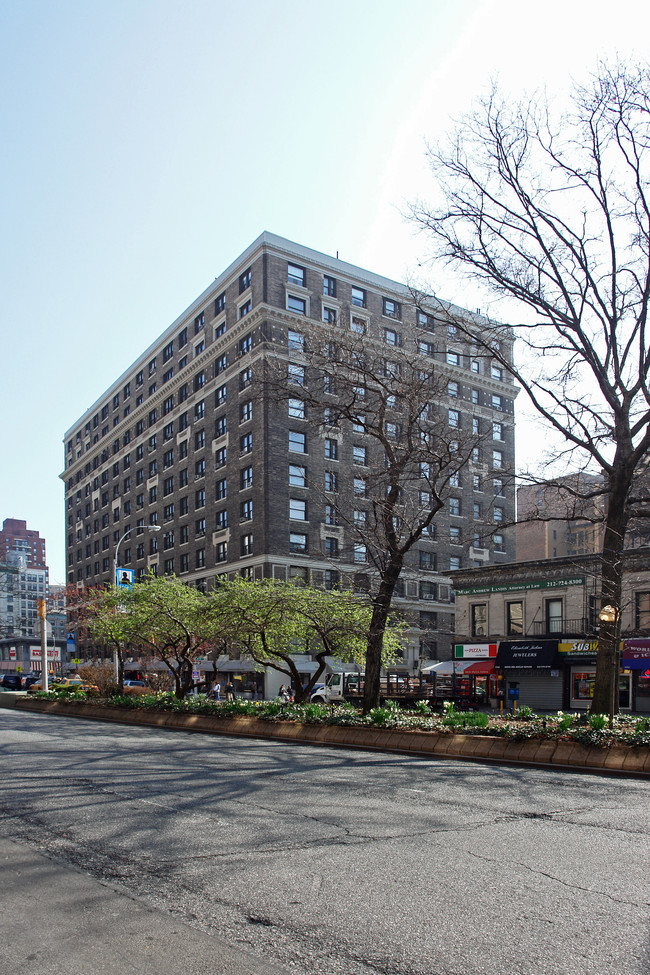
(618, 759)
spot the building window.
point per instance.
(297, 442)
(497, 431)
(392, 309)
(515, 619)
(360, 552)
(199, 528)
(479, 619)
(296, 275)
(476, 511)
(295, 341)
(199, 499)
(331, 515)
(246, 478)
(297, 409)
(428, 561)
(220, 426)
(331, 481)
(199, 440)
(453, 358)
(454, 506)
(297, 543)
(221, 552)
(358, 325)
(221, 489)
(220, 456)
(296, 374)
(454, 418)
(359, 456)
(359, 487)
(220, 303)
(246, 510)
(497, 541)
(358, 297)
(245, 281)
(553, 615)
(498, 514)
(296, 304)
(246, 443)
(329, 286)
(329, 315)
(297, 476)
(331, 579)
(246, 545)
(297, 509)
(331, 449)
(331, 547)
(199, 469)
(245, 378)
(642, 610)
(200, 558)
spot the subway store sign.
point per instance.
(578, 647)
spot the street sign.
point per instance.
(124, 578)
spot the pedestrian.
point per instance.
(230, 690)
(284, 694)
(215, 693)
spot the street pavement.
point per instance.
(58, 920)
(172, 849)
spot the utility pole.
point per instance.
(41, 615)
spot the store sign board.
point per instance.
(53, 653)
(474, 651)
(520, 586)
(578, 647)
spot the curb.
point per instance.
(625, 760)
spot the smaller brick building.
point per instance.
(544, 617)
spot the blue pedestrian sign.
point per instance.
(124, 578)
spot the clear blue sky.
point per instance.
(147, 143)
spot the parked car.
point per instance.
(135, 687)
(11, 682)
(59, 683)
(28, 680)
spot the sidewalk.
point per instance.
(59, 921)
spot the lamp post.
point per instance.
(612, 614)
(151, 528)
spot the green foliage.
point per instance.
(598, 721)
(525, 713)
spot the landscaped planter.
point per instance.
(621, 759)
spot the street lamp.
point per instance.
(612, 614)
(151, 528)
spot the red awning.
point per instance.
(480, 667)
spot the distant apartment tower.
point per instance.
(23, 578)
(560, 519)
(178, 442)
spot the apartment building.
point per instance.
(23, 578)
(188, 469)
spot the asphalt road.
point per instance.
(127, 849)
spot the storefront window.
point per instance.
(479, 619)
(515, 618)
(582, 687)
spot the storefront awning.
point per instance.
(458, 667)
(480, 667)
(527, 654)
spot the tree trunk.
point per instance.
(380, 613)
(605, 700)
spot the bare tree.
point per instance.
(395, 399)
(555, 214)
